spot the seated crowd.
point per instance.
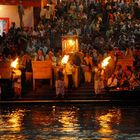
(103, 29)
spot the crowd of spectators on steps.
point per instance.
(102, 27)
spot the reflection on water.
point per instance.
(106, 121)
(69, 122)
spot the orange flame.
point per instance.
(14, 63)
(65, 59)
(105, 62)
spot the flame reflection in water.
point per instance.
(106, 121)
(68, 122)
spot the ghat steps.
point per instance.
(42, 91)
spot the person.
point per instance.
(45, 14)
(112, 82)
(124, 83)
(69, 69)
(60, 86)
(88, 68)
(50, 56)
(119, 73)
(133, 81)
(17, 83)
(27, 64)
(40, 56)
(0, 89)
(98, 80)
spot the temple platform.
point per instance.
(83, 94)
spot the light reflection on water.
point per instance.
(69, 122)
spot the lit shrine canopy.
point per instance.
(34, 3)
(70, 44)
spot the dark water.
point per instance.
(69, 122)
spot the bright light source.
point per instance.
(65, 59)
(71, 42)
(14, 63)
(105, 62)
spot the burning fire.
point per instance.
(65, 59)
(14, 63)
(105, 62)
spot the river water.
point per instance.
(69, 122)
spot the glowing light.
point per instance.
(65, 59)
(106, 119)
(14, 63)
(105, 62)
(15, 120)
(68, 120)
(71, 42)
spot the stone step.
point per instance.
(85, 90)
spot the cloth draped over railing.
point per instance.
(42, 70)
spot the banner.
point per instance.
(35, 3)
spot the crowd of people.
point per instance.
(103, 27)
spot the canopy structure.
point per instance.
(34, 3)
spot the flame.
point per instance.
(14, 63)
(65, 59)
(105, 62)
